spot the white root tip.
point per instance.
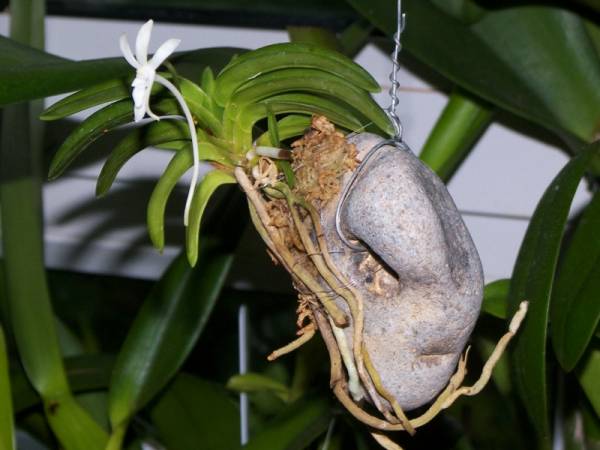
(515, 323)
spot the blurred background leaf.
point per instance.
(193, 411)
(533, 279)
(535, 61)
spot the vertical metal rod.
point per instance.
(243, 368)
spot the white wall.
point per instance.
(497, 187)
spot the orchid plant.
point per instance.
(291, 80)
(312, 98)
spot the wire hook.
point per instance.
(395, 141)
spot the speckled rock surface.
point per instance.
(422, 281)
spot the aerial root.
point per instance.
(488, 367)
(385, 441)
(306, 335)
(385, 394)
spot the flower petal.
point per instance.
(142, 42)
(163, 52)
(126, 50)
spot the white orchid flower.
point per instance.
(142, 86)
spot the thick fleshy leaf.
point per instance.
(537, 61)
(532, 280)
(98, 94)
(31, 316)
(239, 121)
(591, 424)
(312, 81)
(322, 37)
(179, 164)
(455, 133)
(588, 374)
(495, 298)
(466, 11)
(26, 287)
(97, 125)
(27, 74)
(299, 425)
(290, 126)
(85, 373)
(165, 330)
(7, 426)
(575, 308)
(195, 413)
(202, 194)
(286, 56)
(155, 133)
(73, 426)
(108, 91)
(256, 382)
(201, 106)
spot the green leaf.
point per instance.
(165, 330)
(155, 133)
(575, 310)
(286, 56)
(290, 126)
(314, 35)
(26, 286)
(466, 11)
(85, 373)
(179, 164)
(355, 37)
(495, 298)
(457, 130)
(312, 81)
(27, 74)
(591, 423)
(97, 125)
(588, 374)
(202, 193)
(7, 430)
(240, 120)
(532, 280)
(273, 128)
(195, 413)
(201, 106)
(105, 92)
(32, 319)
(299, 425)
(73, 426)
(536, 61)
(255, 382)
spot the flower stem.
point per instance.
(194, 137)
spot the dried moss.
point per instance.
(319, 160)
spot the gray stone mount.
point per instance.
(421, 279)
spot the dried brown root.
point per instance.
(385, 441)
(262, 222)
(322, 260)
(488, 367)
(306, 335)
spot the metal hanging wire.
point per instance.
(391, 110)
(398, 129)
